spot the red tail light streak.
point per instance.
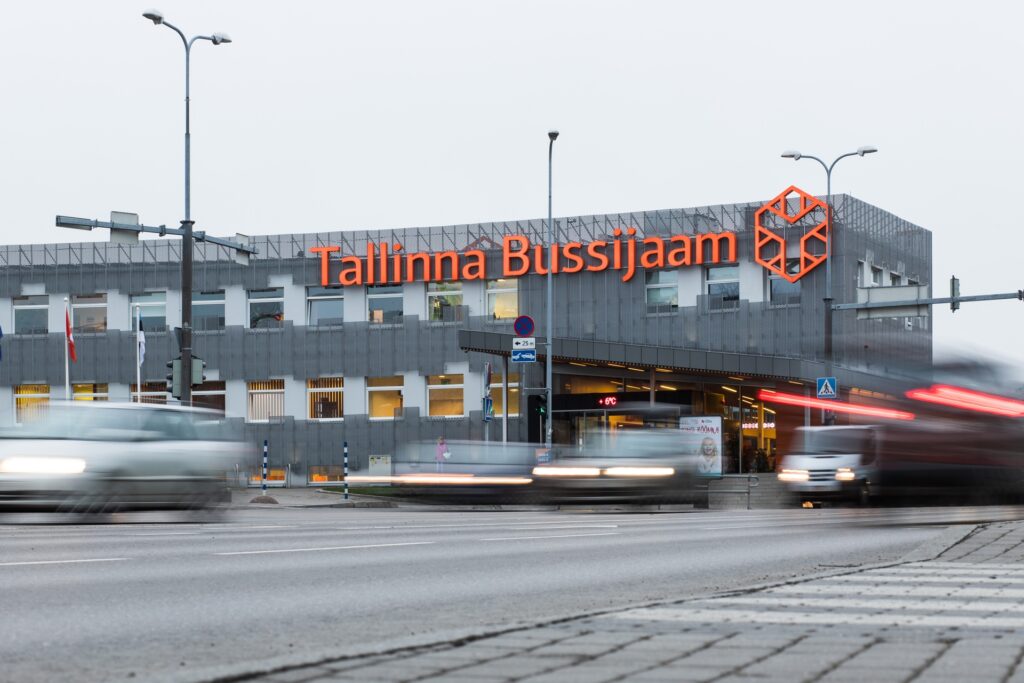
(835, 406)
(968, 399)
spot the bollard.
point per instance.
(264, 477)
(346, 469)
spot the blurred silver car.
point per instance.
(108, 457)
(626, 465)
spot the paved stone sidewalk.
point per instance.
(959, 617)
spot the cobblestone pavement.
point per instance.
(959, 617)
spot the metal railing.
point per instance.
(751, 483)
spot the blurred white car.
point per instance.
(627, 465)
(107, 457)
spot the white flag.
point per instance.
(142, 344)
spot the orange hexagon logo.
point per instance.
(770, 247)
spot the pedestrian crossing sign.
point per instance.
(828, 387)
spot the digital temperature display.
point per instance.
(608, 401)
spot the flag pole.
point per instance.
(67, 360)
(138, 360)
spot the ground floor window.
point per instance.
(30, 401)
(275, 475)
(326, 398)
(152, 392)
(384, 397)
(90, 392)
(513, 394)
(209, 395)
(444, 396)
(321, 474)
(266, 400)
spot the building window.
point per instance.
(384, 304)
(266, 400)
(89, 312)
(782, 292)
(152, 392)
(208, 311)
(90, 392)
(913, 282)
(503, 298)
(152, 310)
(443, 301)
(513, 394)
(723, 287)
(895, 279)
(266, 307)
(384, 397)
(662, 291)
(30, 401)
(322, 474)
(876, 276)
(31, 314)
(860, 273)
(326, 398)
(211, 395)
(444, 396)
(325, 306)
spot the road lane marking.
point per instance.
(569, 526)
(98, 559)
(528, 538)
(336, 547)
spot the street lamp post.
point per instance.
(552, 136)
(796, 156)
(186, 239)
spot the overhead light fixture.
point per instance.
(729, 389)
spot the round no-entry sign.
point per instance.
(523, 326)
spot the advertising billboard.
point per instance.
(702, 436)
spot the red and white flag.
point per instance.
(69, 334)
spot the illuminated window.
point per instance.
(322, 474)
(89, 312)
(384, 304)
(210, 395)
(513, 394)
(30, 401)
(662, 291)
(90, 392)
(326, 398)
(782, 292)
(444, 300)
(266, 307)
(275, 475)
(208, 311)
(723, 287)
(152, 392)
(325, 306)
(152, 310)
(384, 397)
(31, 314)
(444, 396)
(502, 298)
(266, 400)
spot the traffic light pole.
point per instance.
(186, 311)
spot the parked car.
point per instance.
(108, 457)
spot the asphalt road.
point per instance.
(152, 601)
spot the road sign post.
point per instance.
(263, 478)
(345, 470)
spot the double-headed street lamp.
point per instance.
(186, 239)
(552, 136)
(796, 156)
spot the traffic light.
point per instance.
(542, 405)
(198, 371)
(954, 293)
(174, 377)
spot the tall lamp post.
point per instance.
(552, 136)
(796, 156)
(186, 239)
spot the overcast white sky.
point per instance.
(346, 115)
